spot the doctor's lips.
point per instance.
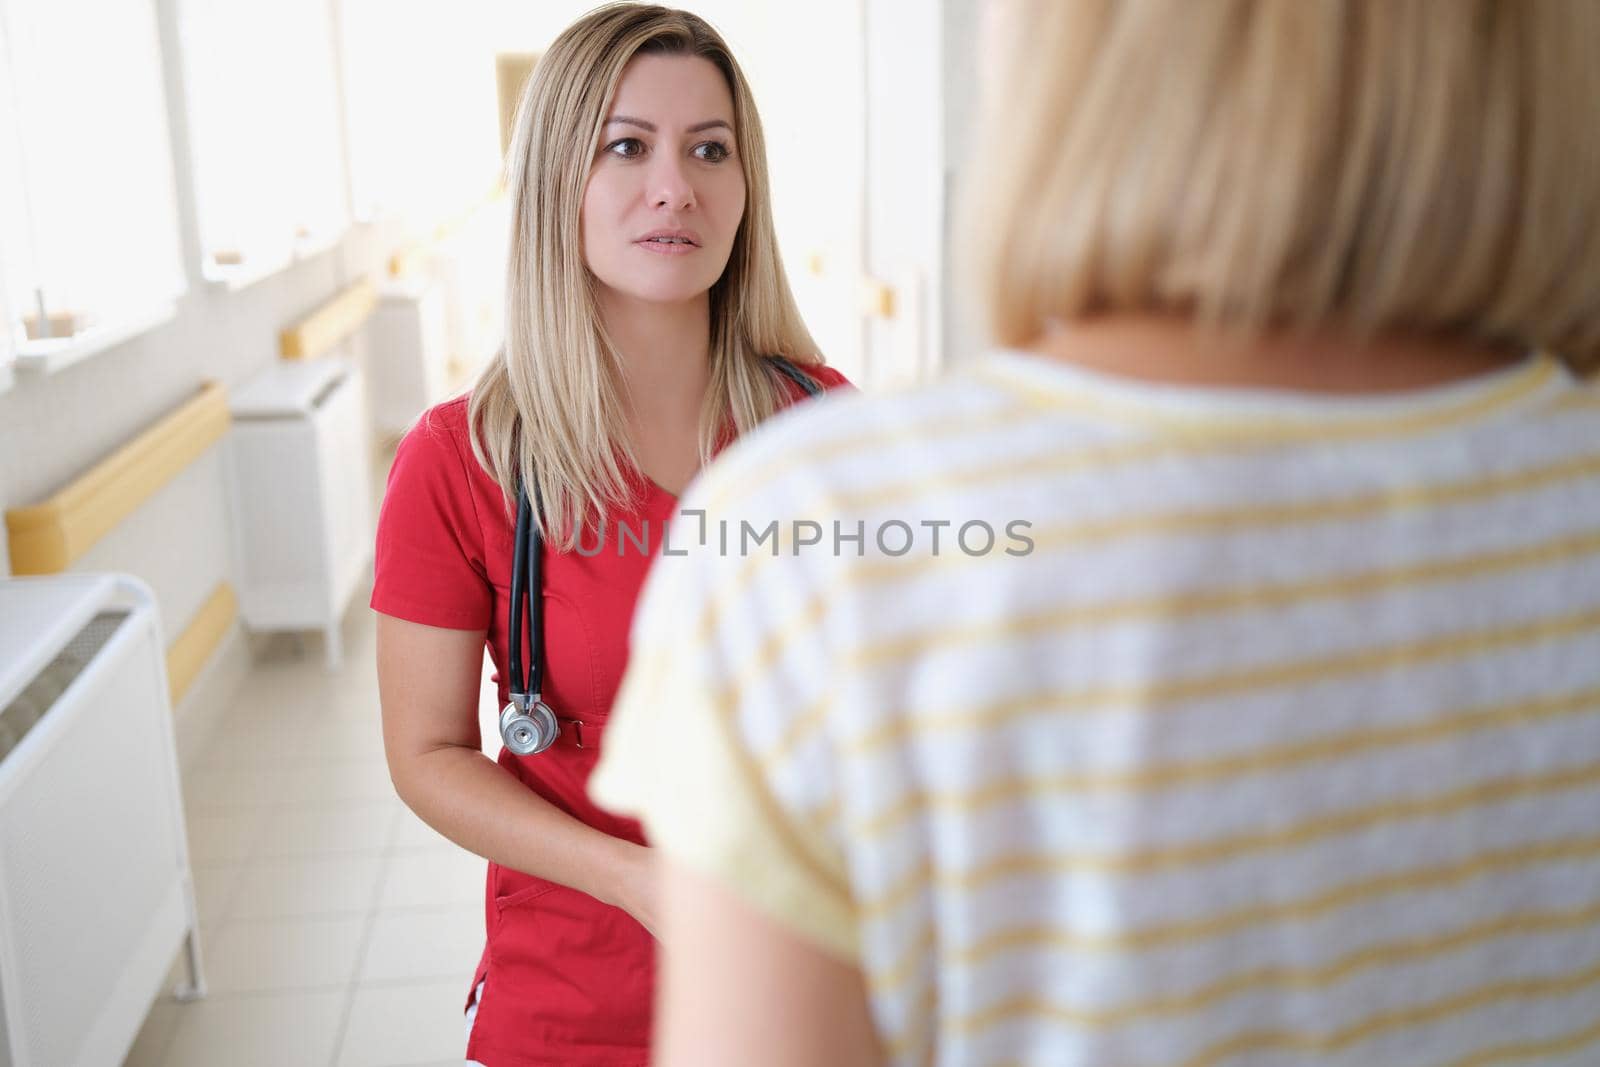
(669, 242)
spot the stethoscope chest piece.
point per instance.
(528, 726)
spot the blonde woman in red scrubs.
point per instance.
(646, 304)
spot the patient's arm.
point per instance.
(738, 988)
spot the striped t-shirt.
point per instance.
(1224, 726)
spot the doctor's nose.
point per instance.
(671, 188)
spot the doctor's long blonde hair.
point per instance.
(549, 407)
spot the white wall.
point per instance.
(806, 70)
(962, 337)
(919, 59)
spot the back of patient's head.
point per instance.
(1361, 166)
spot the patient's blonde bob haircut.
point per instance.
(550, 405)
(1362, 166)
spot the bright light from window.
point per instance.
(420, 87)
(263, 107)
(88, 217)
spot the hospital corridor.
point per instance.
(855, 533)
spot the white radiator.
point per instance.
(96, 895)
(302, 496)
(408, 354)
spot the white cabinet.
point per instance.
(408, 354)
(95, 889)
(301, 488)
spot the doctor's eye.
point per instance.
(626, 147)
(712, 151)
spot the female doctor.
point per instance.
(646, 302)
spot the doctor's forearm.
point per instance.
(477, 804)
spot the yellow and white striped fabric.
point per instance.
(1281, 744)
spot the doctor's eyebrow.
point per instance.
(651, 127)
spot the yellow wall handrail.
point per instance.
(193, 648)
(331, 323)
(49, 537)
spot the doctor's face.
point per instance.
(666, 189)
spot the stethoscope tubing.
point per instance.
(527, 725)
(526, 577)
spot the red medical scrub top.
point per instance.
(568, 980)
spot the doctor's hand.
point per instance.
(637, 892)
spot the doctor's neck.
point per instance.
(665, 349)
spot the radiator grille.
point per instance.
(19, 716)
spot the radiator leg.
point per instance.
(195, 987)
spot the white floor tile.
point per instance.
(210, 790)
(355, 826)
(240, 742)
(408, 831)
(288, 679)
(323, 783)
(295, 692)
(433, 878)
(214, 890)
(217, 837)
(286, 694)
(213, 789)
(283, 954)
(405, 1025)
(411, 946)
(268, 1030)
(348, 740)
(340, 885)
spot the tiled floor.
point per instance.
(337, 929)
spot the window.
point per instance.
(264, 126)
(89, 248)
(420, 85)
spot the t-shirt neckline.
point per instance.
(1186, 408)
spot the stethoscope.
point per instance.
(527, 725)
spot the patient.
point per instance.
(1210, 675)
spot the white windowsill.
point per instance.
(312, 247)
(35, 359)
(243, 275)
(246, 274)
